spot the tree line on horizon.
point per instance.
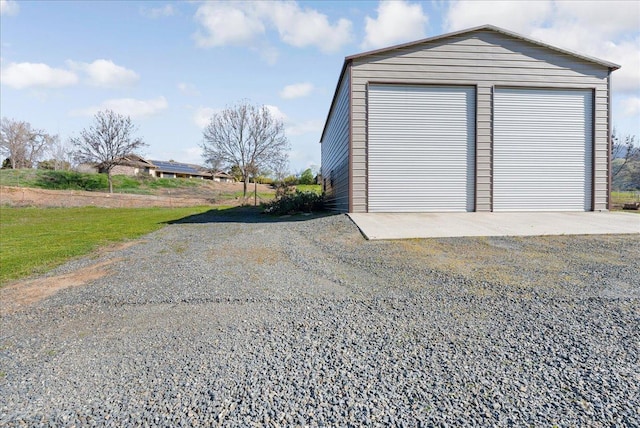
(245, 139)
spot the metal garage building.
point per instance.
(478, 120)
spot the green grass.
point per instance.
(35, 240)
(619, 198)
(19, 177)
(170, 183)
(310, 188)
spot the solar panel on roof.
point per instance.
(175, 167)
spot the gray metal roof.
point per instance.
(604, 63)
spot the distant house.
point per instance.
(170, 169)
(223, 177)
(87, 168)
(131, 165)
(134, 165)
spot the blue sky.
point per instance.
(170, 65)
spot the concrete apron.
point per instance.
(446, 225)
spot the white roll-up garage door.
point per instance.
(421, 148)
(542, 150)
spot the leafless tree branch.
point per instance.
(246, 136)
(106, 142)
(624, 149)
(23, 145)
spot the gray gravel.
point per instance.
(243, 321)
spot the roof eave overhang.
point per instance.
(346, 63)
(597, 61)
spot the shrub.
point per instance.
(265, 180)
(290, 180)
(125, 182)
(70, 180)
(292, 203)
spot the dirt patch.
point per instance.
(24, 293)
(22, 196)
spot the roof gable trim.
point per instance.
(601, 62)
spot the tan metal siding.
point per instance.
(335, 151)
(485, 59)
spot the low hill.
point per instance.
(66, 188)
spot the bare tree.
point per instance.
(280, 169)
(61, 154)
(624, 149)
(106, 142)
(23, 145)
(246, 136)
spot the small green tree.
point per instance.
(306, 177)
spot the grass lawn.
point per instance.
(310, 188)
(34, 240)
(70, 180)
(620, 198)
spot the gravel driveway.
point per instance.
(235, 320)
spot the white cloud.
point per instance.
(9, 7)
(306, 27)
(276, 113)
(518, 16)
(296, 90)
(227, 24)
(128, 107)
(188, 89)
(158, 12)
(294, 128)
(36, 75)
(631, 106)
(592, 41)
(577, 26)
(202, 116)
(397, 21)
(620, 15)
(242, 23)
(102, 72)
